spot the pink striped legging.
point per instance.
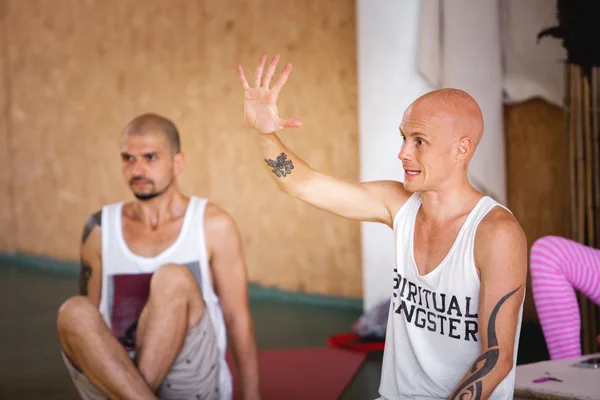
(559, 265)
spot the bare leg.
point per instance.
(87, 340)
(175, 304)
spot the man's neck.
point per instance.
(447, 204)
(154, 212)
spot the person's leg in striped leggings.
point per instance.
(557, 266)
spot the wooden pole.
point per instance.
(572, 170)
(595, 116)
(580, 196)
(588, 161)
(595, 111)
(589, 198)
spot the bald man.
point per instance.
(461, 258)
(163, 283)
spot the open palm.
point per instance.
(260, 108)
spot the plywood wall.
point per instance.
(79, 70)
(538, 179)
(6, 214)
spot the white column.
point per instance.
(472, 61)
(388, 81)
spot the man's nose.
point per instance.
(404, 153)
(138, 169)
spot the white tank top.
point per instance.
(125, 277)
(432, 336)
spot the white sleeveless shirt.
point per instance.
(125, 277)
(432, 336)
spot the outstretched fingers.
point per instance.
(259, 70)
(270, 72)
(282, 79)
(242, 77)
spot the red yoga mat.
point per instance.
(315, 373)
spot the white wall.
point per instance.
(388, 82)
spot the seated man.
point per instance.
(558, 267)
(461, 258)
(163, 281)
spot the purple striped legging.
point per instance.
(559, 265)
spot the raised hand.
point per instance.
(260, 108)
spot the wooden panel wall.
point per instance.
(81, 69)
(538, 172)
(6, 213)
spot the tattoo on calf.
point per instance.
(85, 274)
(282, 166)
(472, 388)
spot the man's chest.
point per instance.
(147, 242)
(432, 245)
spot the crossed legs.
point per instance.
(175, 304)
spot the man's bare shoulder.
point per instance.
(499, 234)
(498, 221)
(393, 193)
(395, 189)
(217, 221)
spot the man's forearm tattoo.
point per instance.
(472, 388)
(281, 166)
(85, 271)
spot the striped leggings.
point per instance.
(559, 265)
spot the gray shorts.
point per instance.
(193, 375)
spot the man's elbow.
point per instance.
(298, 188)
(505, 365)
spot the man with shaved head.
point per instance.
(163, 283)
(461, 257)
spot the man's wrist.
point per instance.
(252, 393)
(265, 137)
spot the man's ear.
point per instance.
(464, 148)
(178, 160)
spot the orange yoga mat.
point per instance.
(314, 373)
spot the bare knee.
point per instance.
(75, 313)
(174, 281)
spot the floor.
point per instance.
(31, 367)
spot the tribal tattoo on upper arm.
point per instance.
(85, 271)
(281, 166)
(472, 388)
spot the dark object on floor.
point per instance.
(313, 373)
(373, 322)
(532, 345)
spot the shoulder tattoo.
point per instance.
(90, 223)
